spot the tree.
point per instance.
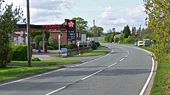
(126, 31)
(81, 24)
(133, 31)
(8, 20)
(110, 35)
(158, 21)
(97, 30)
(38, 39)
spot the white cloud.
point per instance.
(132, 17)
(44, 11)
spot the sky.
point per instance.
(107, 13)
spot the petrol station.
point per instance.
(66, 32)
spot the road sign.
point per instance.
(64, 52)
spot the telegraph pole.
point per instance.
(28, 35)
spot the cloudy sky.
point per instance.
(107, 13)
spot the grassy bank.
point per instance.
(162, 80)
(161, 84)
(19, 69)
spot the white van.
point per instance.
(140, 43)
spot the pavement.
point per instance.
(122, 72)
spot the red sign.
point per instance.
(51, 26)
(20, 35)
(71, 24)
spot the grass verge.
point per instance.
(161, 84)
(19, 69)
(92, 53)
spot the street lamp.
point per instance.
(28, 34)
(59, 41)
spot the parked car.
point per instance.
(147, 42)
(140, 43)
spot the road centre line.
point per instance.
(62, 88)
(53, 71)
(95, 73)
(121, 59)
(56, 90)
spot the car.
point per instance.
(140, 43)
(147, 42)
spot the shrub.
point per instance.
(94, 46)
(19, 53)
(50, 48)
(97, 43)
(71, 46)
(53, 43)
(116, 40)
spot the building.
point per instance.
(67, 31)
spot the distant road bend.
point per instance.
(124, 71)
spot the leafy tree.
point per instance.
(126, 31)
(38, 39)
(97, 30)
(158, 21)
(8, 20)
(110, 36)
(35, 33)
(81, 24)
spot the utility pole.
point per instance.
(28, 34)
(94, 30)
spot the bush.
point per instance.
(53, 43)
(71, 46)
(50, 48)
(97, 43)
(130, 40)
(19, 53)
(94, 46)
(116, 40)
(5, 56)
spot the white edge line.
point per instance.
(56, 90)
(149, 78)
(53, 71)
(151, 73)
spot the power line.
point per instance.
(74, 13)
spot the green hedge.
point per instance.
(19, 53)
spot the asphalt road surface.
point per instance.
(122, 72)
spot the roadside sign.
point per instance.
(64, 52)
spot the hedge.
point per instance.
(19, 53)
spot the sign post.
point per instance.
(59, 38)
(71, 31)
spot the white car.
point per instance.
(140, 43)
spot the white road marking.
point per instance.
(52, 71)
(81, 79)
(121, 59)
(149, 78)
(56, 90)
(151, 73)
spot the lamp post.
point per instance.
(28, 34)
(59, 38)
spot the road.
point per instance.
(122, 72)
